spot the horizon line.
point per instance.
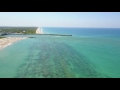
(58, 27)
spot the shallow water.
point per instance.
(61, 57)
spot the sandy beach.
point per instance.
(39, 31)
(4, 42)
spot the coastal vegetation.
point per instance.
(20, 30)
(1, 37)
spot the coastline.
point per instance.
(4, 42)
(39, 31)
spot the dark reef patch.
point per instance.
(50, 58)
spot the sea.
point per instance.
(88, 53)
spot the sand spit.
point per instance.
(4, 42)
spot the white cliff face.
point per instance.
(38, 31)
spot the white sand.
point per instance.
(4, 42)
(39, 31)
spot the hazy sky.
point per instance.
(61, 19)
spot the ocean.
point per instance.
(88, 53)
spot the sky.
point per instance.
(61, 19)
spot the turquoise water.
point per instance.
(86, 54)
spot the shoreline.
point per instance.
(39, 31)
(4, 42)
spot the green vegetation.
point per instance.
(1, 37)
(20, 30)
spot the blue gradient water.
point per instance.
(88, 53)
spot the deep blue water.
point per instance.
(84, 31)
